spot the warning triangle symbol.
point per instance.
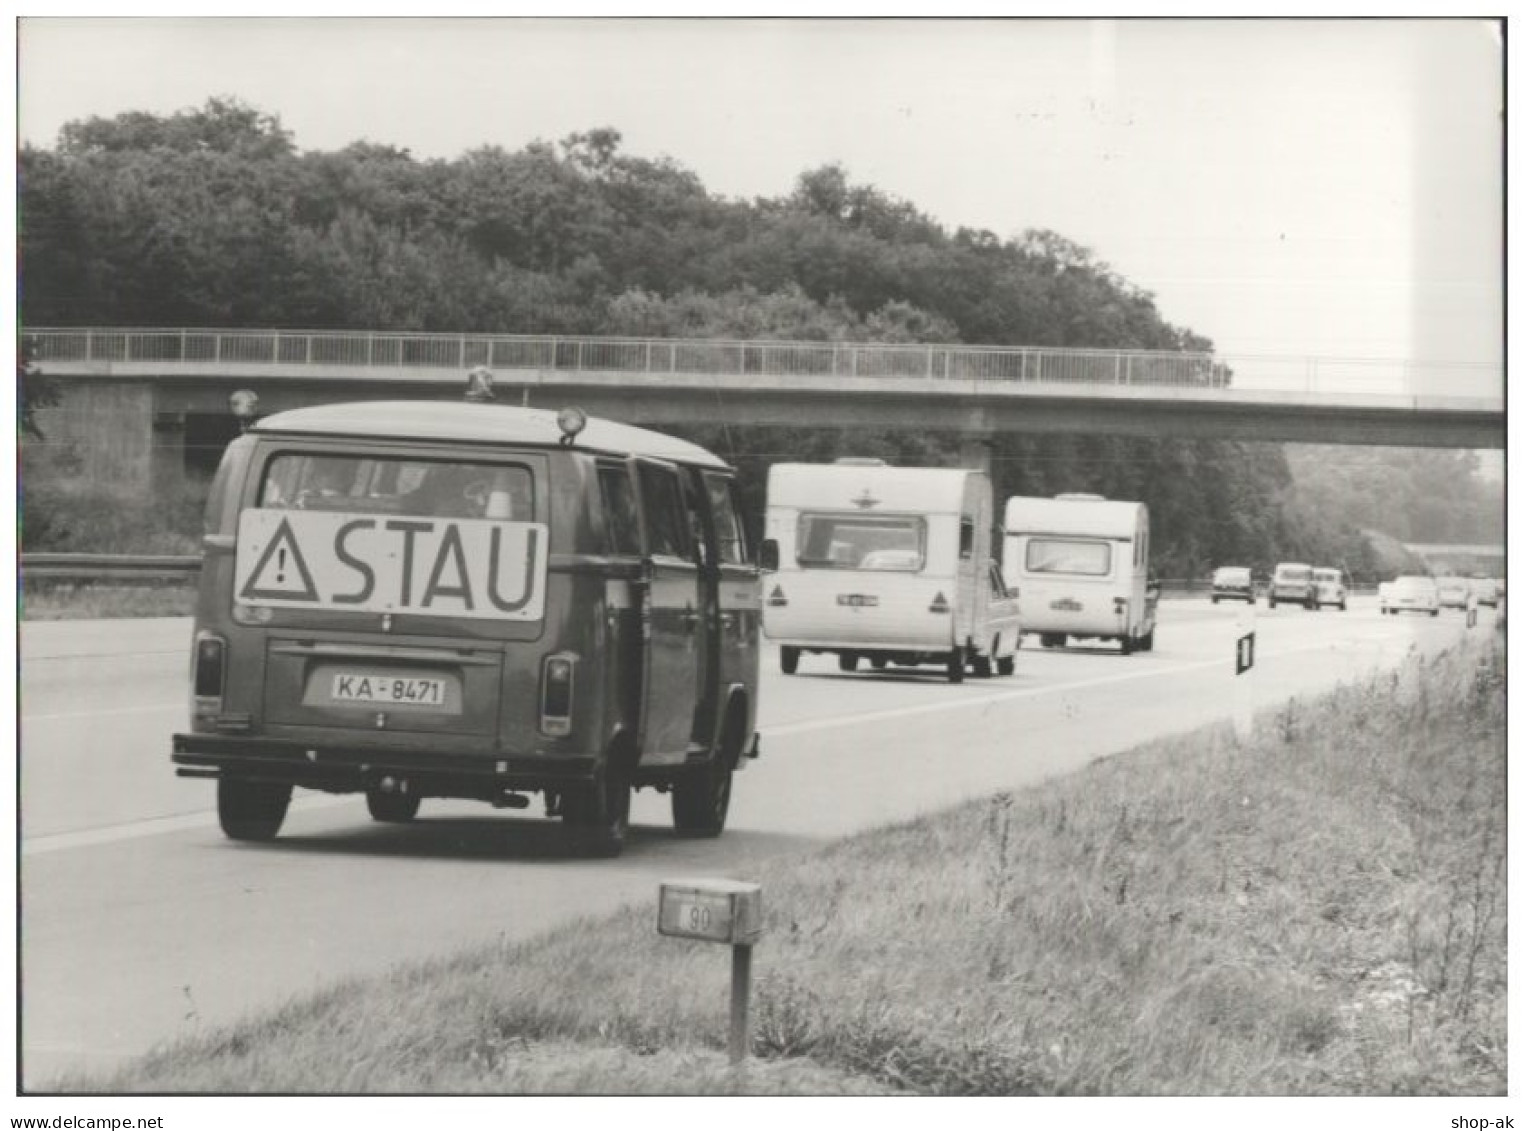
(281, 572)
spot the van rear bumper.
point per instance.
(346, 769)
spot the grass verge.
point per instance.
(1320, 911)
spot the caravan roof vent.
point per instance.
(1081, 496)
(860, 461)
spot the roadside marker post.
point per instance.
(1243, 676)
(719, 911)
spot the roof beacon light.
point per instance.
(571, 420)
(244, 404)
(479, 386)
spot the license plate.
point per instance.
(406, 691)
(857, 600)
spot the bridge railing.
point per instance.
(719, 357)
(612, 354)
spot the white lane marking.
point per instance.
(101, 713)
(37, 659)
(159, 826)
(1048, 689)
(155, 826)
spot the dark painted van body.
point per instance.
(433, 599)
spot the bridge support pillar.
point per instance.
(110, 429)
(974, 452)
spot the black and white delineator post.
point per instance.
(1243, 675)
(721, 911)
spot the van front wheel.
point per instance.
(700, 803)
(251, 810)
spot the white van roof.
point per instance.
(460, 422)
(872, 490)
(1090, 517)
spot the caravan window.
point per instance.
(1057, 555)
(855, 541)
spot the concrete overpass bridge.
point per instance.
(136, 398)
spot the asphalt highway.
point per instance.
(139, 922)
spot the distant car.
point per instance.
(1330, 588)
(1233, 583)
(1454, 592)
(1382, 590)
(1486, 590)
(1292, 581)
(1411, 594)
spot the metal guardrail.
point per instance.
(109, 567)
(630, 355)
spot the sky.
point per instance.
(1290, 188)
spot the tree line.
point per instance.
(212, 217)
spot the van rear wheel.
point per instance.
(251, 810)
(955, 666)
(847, 661)
(701, 802)
(393, 808)
(788, 658)
(981, 666)
(1006, 665)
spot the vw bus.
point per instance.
(1293, 582)
(413, 600)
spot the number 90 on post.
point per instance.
(722, 911)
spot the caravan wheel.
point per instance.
(955, 666)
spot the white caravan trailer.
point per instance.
(891, 565)
(1081, 563)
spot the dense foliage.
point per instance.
(211, 217)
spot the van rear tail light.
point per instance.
(939, 605)
(557, 682)
(776, 597)
(209, 670)
(253, 614)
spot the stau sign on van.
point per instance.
(424, 599)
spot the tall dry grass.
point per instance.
(1320, 911)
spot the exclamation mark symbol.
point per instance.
(280, 569)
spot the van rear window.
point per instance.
(388, 485)
(1058, 555)
(854, 541)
